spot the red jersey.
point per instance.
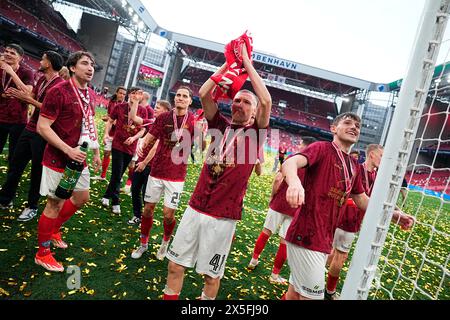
(279, 203)
(61, 105)
(351, 218)
(314, 224)
(40, 90)
(110, 108)
(125, 128)
(222, 196)
(150, 111)
(163, 167)
(12, 110)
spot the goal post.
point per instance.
(397, 152)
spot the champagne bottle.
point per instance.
(72, 173)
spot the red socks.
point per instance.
(146, 226)
(168, 229)
(45, 231)
(260, 244)
(170, 296)
(67, 211)
(280, 258)
(105, 165)
(332, 283)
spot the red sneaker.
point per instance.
(58, 241)
(48, 262)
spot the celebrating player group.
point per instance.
(318, 199)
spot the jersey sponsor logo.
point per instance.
(173, 253)
(314, 291)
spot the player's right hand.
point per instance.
(140, 166)
(295, 194)
(141, 147)
(76, 154)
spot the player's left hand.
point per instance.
(129, 141)
(19, 94)
(9, 70)
(97, 163)
(140, 166)
(405, 221)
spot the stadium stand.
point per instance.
(435, 181)
(49, 26)
(300, 109)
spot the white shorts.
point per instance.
(275, 220)
(202, 241)
(108, 144)
(50, 180)
(172, 192)
(343, 240)
(135, 157)
(307, 271)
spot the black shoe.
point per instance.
(6, 207)
(134, 221)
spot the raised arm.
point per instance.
(134, 104)
(265, 101)
(208, 104)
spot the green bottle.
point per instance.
(72, 173)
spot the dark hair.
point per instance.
(191, 94)
(165, 104)
(354, 152)
(344, 115)
(74, 57)
(17, 48)
(55, 59)
(133, 89)
(121, 88)
(307, 140)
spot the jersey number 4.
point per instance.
(217, 261)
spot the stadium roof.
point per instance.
(120, 9)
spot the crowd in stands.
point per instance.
(289, 141)
(437, 180)
(40, 19)
(289, 113)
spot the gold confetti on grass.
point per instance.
(3, 292)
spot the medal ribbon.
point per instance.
(4, 84)
(179, 132)
(230, 144)
(88, 122)
(348, 179)
(44, 85)
(366, 176)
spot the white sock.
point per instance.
(205, 297)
